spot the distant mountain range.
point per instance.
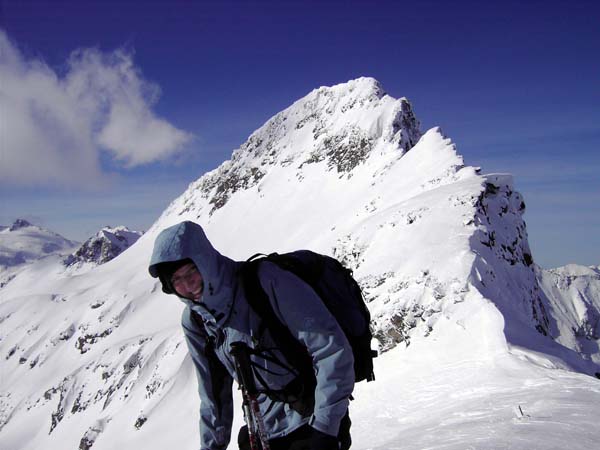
(573, 292)
(23, 242)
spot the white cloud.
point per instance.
(53, 128)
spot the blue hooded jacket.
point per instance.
(227, 318)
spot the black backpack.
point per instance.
(338, 290)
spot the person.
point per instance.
(218, 314)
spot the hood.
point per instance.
(187, 240)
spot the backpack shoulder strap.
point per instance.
(294, 351)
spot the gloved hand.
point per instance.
(323, 441)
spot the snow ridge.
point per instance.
(97, 360)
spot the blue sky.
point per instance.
(516, 85)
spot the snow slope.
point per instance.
(97, 359)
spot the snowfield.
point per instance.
(499, 403)
(481, 348)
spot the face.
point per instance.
(188, 282)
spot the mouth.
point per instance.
(197, 294)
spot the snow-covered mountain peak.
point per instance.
(23, 242)
(340, 128)
(573, 294)
(18, 224)
(576, 270)
(342, 97)
(366, 86)
(104, 246)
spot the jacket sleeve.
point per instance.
(214, 387)
(298, 306)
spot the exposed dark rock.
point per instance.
(18, 224)
(67, 334)
(232, 182)
(140, 422)
(397, 331)
(85, 443)
(12, 351)
(90, 436)
(83, 342)
(498, 214)
(106, 245)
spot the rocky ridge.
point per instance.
(104, 246)
(326, 121)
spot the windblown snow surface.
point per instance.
(472, 354)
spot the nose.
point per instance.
(188, 283)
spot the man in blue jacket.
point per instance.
(218, 314)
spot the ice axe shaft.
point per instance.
(240, 353)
